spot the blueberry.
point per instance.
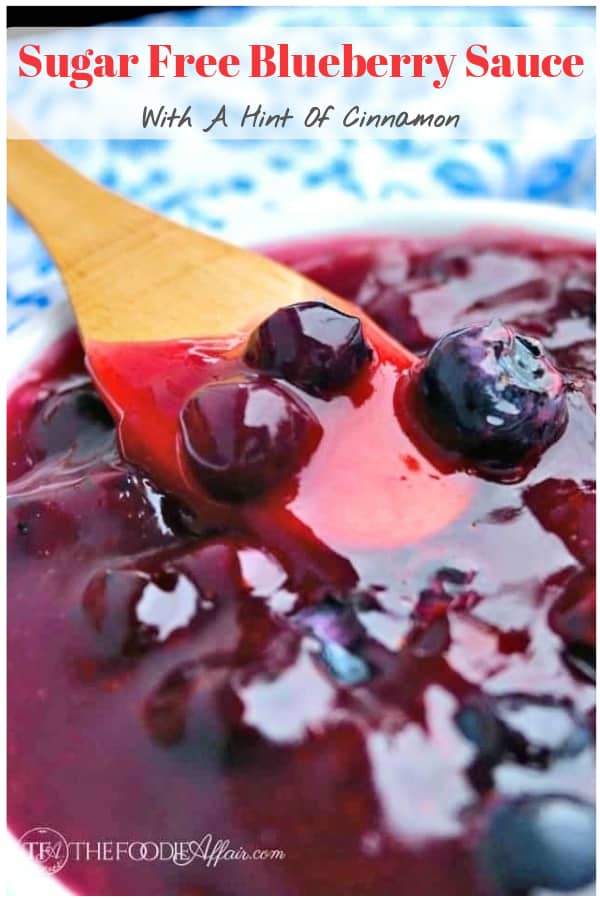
(311, 345)
(346, 667)
(539, 730)
(540, 842)
(331, 621)
(340, 634)
(73, 421)
(242, 437)
(478, 723)
(531, 730)
(493, 395)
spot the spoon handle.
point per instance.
(112, 254)
(73, 216)
(133, 275)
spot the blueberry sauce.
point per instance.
(317, 628)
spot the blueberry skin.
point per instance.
(492, 395)
(243, 436)
(340, 633)
(311, 345)
(541, 842)
(477, 722)
(541, 730)
(533, 730)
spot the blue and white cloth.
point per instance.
(241, 189)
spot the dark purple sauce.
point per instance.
(407, 720)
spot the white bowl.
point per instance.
(416, 219)
(25, 877)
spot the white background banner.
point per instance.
(301, 83)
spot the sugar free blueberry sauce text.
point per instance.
(350, 615)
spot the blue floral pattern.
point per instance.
(245, 188)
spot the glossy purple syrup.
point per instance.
(412, 719)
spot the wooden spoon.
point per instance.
(131, 274)
(135, 278)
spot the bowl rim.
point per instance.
(417, 218)
(422, 218)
